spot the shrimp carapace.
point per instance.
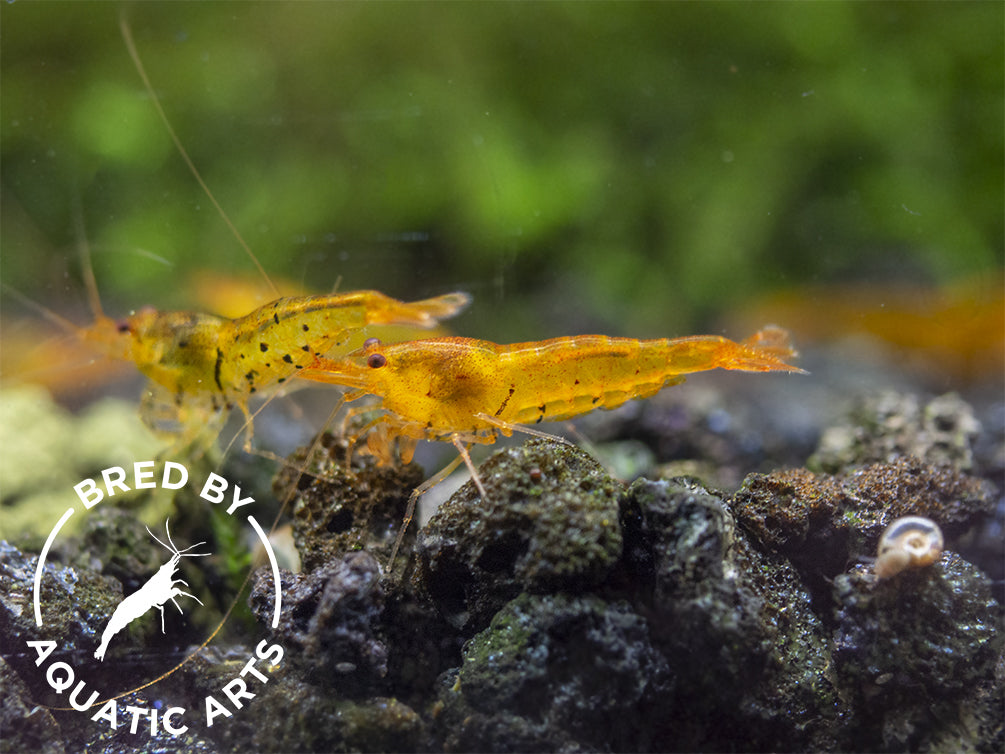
(436, 388)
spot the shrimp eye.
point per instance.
(122, 326)
(371, 342)
(376, 360)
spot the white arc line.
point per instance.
(275, 570)
(41, 563)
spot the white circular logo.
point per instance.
(163, 587)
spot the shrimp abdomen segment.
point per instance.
(384, 310)
(564, 377)
(574, 375)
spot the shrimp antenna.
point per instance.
(247, 429)
(90, 282)
(47, 313)
(127, 36)
(87, 266)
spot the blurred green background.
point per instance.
(633, 168)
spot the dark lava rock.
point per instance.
(115, 543)
(823, 522)
(329, 621)
(340, 507)
(737, 627)
(24, 725)
(891, 425)
(556, 673)
(914, 653)
(75, 603)
(549, 523)
(945, 432)
(296, 717)
(565, 613)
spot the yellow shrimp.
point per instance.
(468, 391)
(200, 364)
(207, 363)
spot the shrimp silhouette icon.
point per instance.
(160, 588)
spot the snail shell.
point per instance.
(909, 542)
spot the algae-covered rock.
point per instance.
(677, 535)
(794, 704)
(549, 522)
(911, 653)
(75, 604)
(297, 718)
(115, 543)
(24, 725)
(664, 616)
(290, 713)
(823, 522)
(737, 627)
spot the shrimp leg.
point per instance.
(434, 480)
(508, 428)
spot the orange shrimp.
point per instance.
(468, 391)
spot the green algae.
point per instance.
(47, 451)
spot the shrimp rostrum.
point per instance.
(469, 391)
